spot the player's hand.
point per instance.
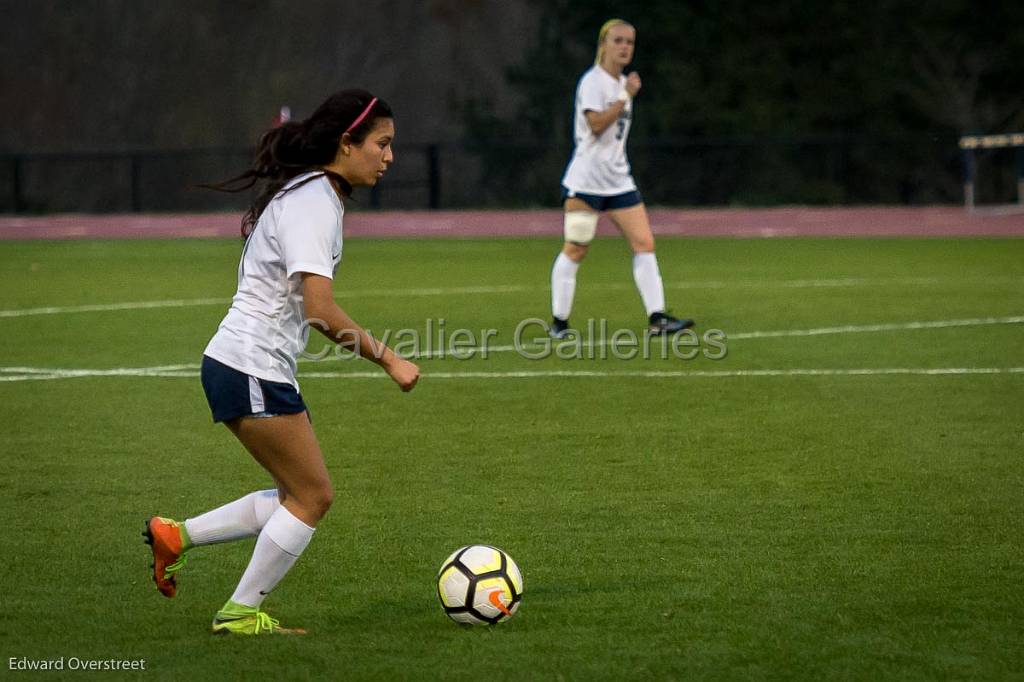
(404, 373)
(633, 83)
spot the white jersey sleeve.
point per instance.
(307, 232)
(590, 95)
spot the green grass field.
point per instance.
(728, 519)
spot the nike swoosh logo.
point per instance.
(336, 256)
(265, 593)
(495, 599)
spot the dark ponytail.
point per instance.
(298, 147)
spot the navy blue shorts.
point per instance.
(599, 203)
(234, 394)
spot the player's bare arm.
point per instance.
(600, 121)
(326, 316)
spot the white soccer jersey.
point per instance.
(599, 165)
(264, 331)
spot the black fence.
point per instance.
(826, 170)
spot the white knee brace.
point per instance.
(580, 226)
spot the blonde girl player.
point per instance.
(303, 171)
(598, 179)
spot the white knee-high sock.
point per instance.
(280, 543)
(563, 286)
(648, 280)
(242, 518)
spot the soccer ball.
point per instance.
(479, 585)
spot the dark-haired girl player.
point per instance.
(599, 179)
(303, 170)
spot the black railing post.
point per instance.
(1020, 175)
(136, 170)
(970, 172)
(434, 175)
(19, 203)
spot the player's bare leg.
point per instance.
(636, 228)
(563, 270)
(287, 448)
(576, 252)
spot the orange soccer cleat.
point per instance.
(167, 538)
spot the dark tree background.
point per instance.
(802, 101)
(789, 101)
(93, 77)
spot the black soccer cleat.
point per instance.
(663, 323)
(559, 329)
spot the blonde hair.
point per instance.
(603, 33)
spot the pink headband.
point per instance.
(359, 119)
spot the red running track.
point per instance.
(928, 221)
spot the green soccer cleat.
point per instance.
(237, 619)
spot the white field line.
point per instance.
(194, 302)
(466, 353)
(104, 307)
(511, 289)
(116, 371)
(651, 374)
(888, 327)
(8, 374)
(713, 374)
